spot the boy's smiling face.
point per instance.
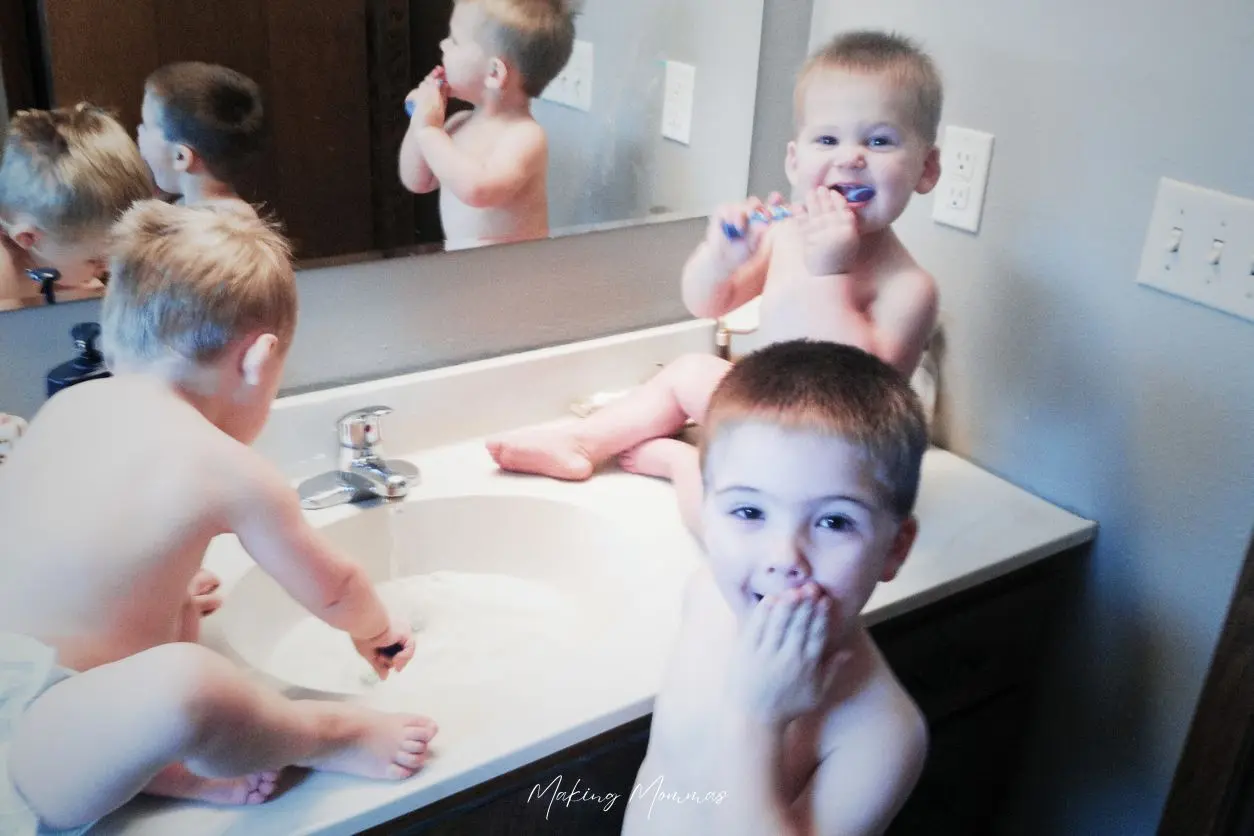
(785, 507)
(856, 130)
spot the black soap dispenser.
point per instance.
(88, 365)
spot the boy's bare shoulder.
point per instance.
(879, 717)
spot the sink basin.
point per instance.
(504, 592)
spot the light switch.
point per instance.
(1209, 257)
(966, 156)
(681, 87)
(573, 85)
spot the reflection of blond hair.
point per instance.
(897, 57)
(535, 37)
(72, 171)
(833, 390)
(189, 281)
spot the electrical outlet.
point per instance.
(1200, 247)
(680, 92)
(573, 85)
(966, 156)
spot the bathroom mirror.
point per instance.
(335, 74)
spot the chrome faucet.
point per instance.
(363, 473)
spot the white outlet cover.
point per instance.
(678, 97)
(966, 156)
(1203, 217)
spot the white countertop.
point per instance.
(973, 527)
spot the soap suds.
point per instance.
(470, 630)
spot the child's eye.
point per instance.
(881, 142)
(827, 139)
(747, 513)
(836, 522)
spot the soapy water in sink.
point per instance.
(470, 630)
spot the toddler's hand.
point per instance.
(785, 666)
(382, 651)
(829, 233)
(732, 251)
(430, 99)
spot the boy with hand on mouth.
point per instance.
(777, 714)
(868, 109)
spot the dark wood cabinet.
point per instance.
(970, 661)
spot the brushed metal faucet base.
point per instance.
(336, 487)
(363, 474)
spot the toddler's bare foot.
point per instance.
(549, 450)
(204, 592)
(371, 744)
(177, 782)
(655, 458)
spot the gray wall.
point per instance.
(612, 163)
(1130, 407)
(402, 315)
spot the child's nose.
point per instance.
(788, 563)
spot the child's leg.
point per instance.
(659, 408)
(95, 740)
(678, 461)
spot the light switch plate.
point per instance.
(1192, 227)
(681, 87)
(573, 85)
(966, 156)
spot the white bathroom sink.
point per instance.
(504, 592)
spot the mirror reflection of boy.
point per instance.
(65, 176)
(490, 163)
(202, 127)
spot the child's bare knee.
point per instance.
(193, 686)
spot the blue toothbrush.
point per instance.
(853, 194)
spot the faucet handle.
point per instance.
(360, 430)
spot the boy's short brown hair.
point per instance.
(899, 58)
(214, 110)
(190, 280)
(72, 171)
(834, 390)
(535, 36)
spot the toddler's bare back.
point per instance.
(109, 503)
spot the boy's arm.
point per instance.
(720, 275)
(416, 174)
(904, 322)
(857, 789)
(264, 513)
(861, 785)
(515, 160)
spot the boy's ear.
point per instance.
(184, 158)
(24, 233)
(498, 74)
(790, 163)
(902, 543)
(259, 359)
(931, 172)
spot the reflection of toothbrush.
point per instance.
(778, 212)
(409, 103)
